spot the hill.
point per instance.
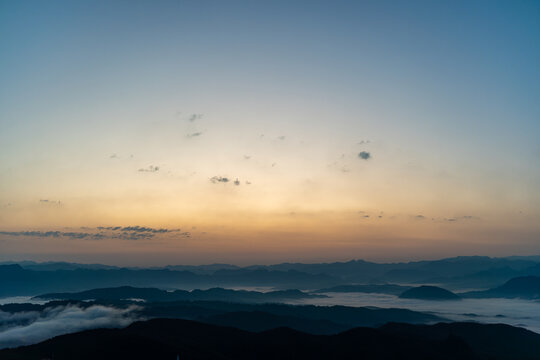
(167, 339)
(30, 278)
(429, 293)
(390, 289)
(525, 287)
(17, 280)
(153, 294)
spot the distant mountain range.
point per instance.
(183, 339)
(390, 289)
(459, 273)
(429, 293)
(525, 287)
(17, 280)
(248, 316)
(153, 294)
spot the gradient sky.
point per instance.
(346, 129)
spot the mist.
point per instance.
(30, 327)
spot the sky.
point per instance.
(187, 132)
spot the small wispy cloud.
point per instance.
(364, 142)
(135, 228)
(364, 155)
(137, 232)
(48, 201)
(461, 218)
(219, 179)
(195, 134)
(55, 234)
(226, 180)
(101, 232)
(151, 169)
(194, 117)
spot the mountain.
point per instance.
(61, 265)
(466, 272)
(16, 280)
(456, 269)
(169, 339)
(429, 293)
(201, 269)
(262, 316)
(493, 341)
(257, 321)
(153, 294)
(390, 289)
(525, 287)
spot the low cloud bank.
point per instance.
(25, 328)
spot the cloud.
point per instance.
(194, 117)
(219, 179)
(54, 234)
(363, 142)
(420, 217)
(469, 217)
(111, 232)
(195, 134)
(53, 202)
(137, 232)
(135, 229)
(113, 156)
(247, 157)
(282, 137)
(226, 180)
(150, 169)
(459, 218)
(32, 327)
(126, 235)
(364, 155)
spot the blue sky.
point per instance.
(442, 95)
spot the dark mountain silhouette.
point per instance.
(257, 321)
(16, 280)
(167, 338)
(153, 294)
(495, 341)
(371, 288)
(526, 287)
(450, 270)
(452, 273)
(429, 293)
(308, 318)
(348, 317)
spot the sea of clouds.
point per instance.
(29, 327)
